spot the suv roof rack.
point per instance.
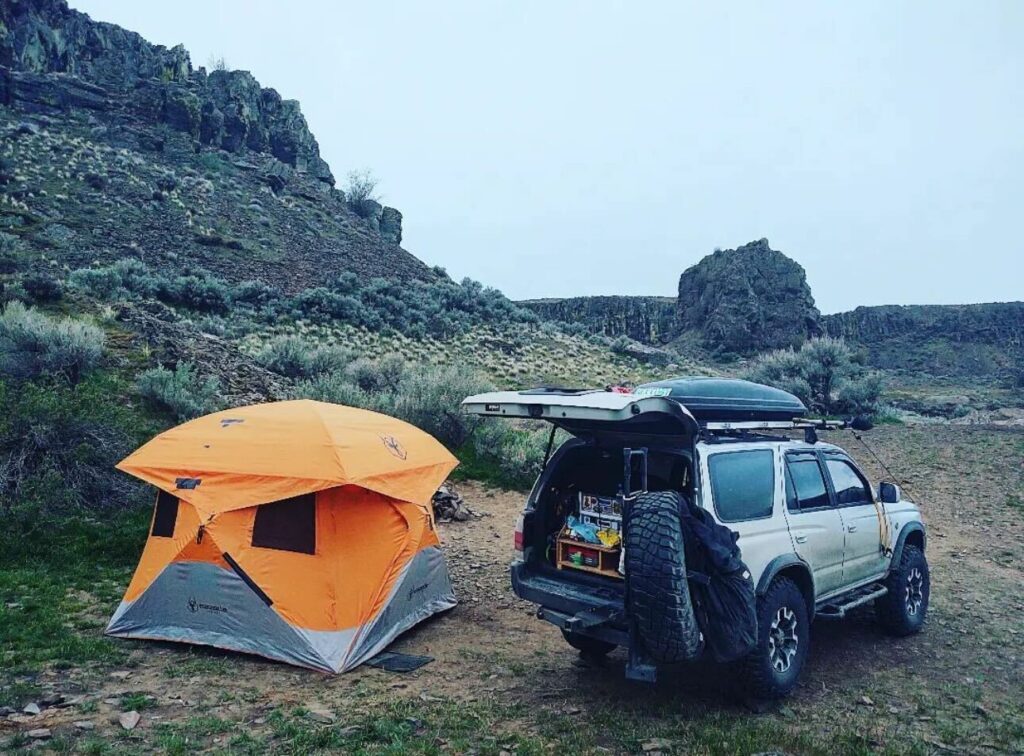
(746, 430)
(797, 424)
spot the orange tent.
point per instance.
(300, 531)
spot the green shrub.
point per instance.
(858, 395)
(824, 374)
(622, 344)
(102, 283)
(42, 287)
(201, 292)
(59, 444)
(377, 376)
(430, 396)
(440, 308)
(121, 280)
(427, 396)
(294, 357)
(256, 294)
(337, 389)
(510, 454)
(324, 306)
(180, 391)
(33, 344)
(361, 185)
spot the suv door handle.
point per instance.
(851, 529)
(801, 539)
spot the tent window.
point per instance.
(166, 515)
(288, 524)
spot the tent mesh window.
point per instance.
(288, 524)
(166, 515)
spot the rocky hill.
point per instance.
(957, 340)
(746, 300)
(112, 147)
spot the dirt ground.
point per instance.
(956, 687)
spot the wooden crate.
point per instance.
(607, 557)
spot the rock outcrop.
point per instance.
(649, 320)
(224, 109)
(960, 340)
(737, 301)
(746, 300)
(113, 147)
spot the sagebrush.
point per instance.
(429, 397)
(440, 308)
(824, 373)
(180, 391)
(34, 344)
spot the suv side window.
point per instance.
(850, 487)
(806, 486)
(743, 484)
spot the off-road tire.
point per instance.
(657, 595)
(895, 610)
(587, 645)
(758, 677)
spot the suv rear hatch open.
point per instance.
(676, 407)
(589, 412)
(576, 601)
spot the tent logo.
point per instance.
(229, 421)
(194, 606)
(393, 446)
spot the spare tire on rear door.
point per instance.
(657, 594)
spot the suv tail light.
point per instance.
(519, 537)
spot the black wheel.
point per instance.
(902, 610)
(783, 638)
(587, 645)
(658, 597)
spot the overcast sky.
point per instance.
(567, 148)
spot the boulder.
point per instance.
(129, 719)
(182, 111)
(641, 352)
(391, 225)
(449, 505)
(747, 300)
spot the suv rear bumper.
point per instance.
(573, 605)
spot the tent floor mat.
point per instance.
(395, 662)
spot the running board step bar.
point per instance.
(834, 610)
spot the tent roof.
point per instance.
(265, 452)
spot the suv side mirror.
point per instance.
(889, 493)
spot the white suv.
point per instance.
(817, 539)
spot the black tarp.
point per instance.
(721, 585)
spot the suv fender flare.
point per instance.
(784, 562)
(911, 527)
